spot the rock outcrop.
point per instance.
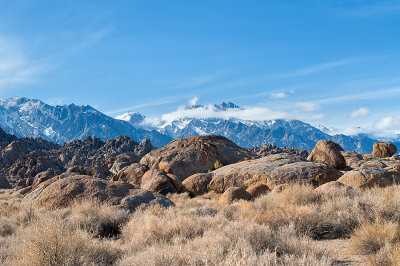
(197, 184)
(352, 158)
(273, 170)
(369, 177)
(233, 194)
(258, 190)
(332, 186)
(62, 191)
(185, 157)
(25, 158)
(328, 152)
(159, 181)
(268, 149)
(4, 184)
(383, 149)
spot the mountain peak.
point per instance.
(229, 105)
(131, 117)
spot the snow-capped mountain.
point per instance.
(133, 118)
(247, 133)
(32, 118)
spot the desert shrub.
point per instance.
(176, 236)
(148, 227)
(100, 219)
(381, 203)
(371, 238)
(296, 205)
(226, 242)
(26, 215)
(51, 241)
(6, 226)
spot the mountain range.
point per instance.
(24, 117)
(32, 118)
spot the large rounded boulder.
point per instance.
(369, 177)
(197, 184)
(383, 149)
(159, 181)
(200, 154)
(272, 171)
(62, 191)
(132, 174)
(233, 194)
(328, 152)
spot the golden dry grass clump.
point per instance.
(275, 229)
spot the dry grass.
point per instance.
(275, 229)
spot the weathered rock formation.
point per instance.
(383, 149)
(185, 157)
(369, 177)
(234, 194)
(25, 158)
(328, 152)
(272, 170)
(268, 149)
(62, 191)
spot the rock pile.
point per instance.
(126, 173)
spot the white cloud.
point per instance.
(359, 112)
(389, 123)
(308, 106)
(210, 111)
(278, 95)
(15, 67)
(252, 113)
(193, 101)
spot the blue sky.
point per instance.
(334, 63)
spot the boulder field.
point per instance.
(128, 174)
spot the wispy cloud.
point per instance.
(278, 95)
(363, 111)
(157, 102)
(15, 67)
(316, 68)
(140, 106)
(372, 9)
(307, 106)
(193, 101)
(378, 93)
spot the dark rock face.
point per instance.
(25, 158)
(268, 149)
(4, 184)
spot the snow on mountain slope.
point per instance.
(32, 118)
(248, 133)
